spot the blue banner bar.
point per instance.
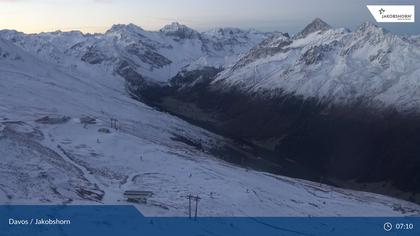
(127, 221)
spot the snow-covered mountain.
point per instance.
(57, 145)
(136, 54)
(368, 65)
(342, 103)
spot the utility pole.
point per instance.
(189, 205)
(197, 198)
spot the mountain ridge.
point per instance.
(331, 101)
(59, 145)
(152, 55)
(344, 104)
(334, 65)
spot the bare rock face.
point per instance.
(315, 26)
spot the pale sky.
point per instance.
(32, 16)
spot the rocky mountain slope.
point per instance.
(344, 104)
(369, 66)
(58, 146)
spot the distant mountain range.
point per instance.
(137, 54)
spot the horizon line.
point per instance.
(107, 28)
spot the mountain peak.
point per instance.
(173, 26)
(369, 26)
(369, 30)
(316, 25)
(179, 30)
(124, 28)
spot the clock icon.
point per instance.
(387, 226)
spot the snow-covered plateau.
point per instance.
(59, 92)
